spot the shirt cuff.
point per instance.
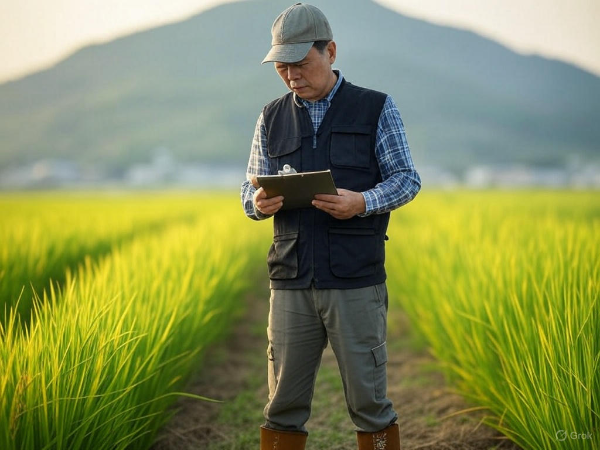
(369, 202)
(260, 215)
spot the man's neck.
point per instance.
(332, 82)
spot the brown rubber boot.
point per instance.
(386, 439)
(281, 440)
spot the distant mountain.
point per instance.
(196, 88)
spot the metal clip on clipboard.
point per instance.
(287, 169)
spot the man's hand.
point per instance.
(345, 205)
(267, 206)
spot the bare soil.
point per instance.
(430, 414)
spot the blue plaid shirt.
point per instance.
(400, 181)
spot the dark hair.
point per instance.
(321, 45)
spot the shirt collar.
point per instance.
(300, 102)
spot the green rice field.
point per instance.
(110, 301)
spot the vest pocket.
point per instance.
(351, 147)
(283, 146)
(353, 252)
(283, 257)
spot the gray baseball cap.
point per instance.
(295, 31)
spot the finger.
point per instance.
(272, 209)
(254, 182)
(333, 212)
(270, 205)
(325, 206)
(269, 201)
(328, 198)
(260, 193)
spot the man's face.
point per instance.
(312, 78)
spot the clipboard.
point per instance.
(298, 189)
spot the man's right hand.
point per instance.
(267, 206)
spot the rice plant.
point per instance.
(108, 353)
(504, 286)
(44, 234)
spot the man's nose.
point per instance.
(293, 73)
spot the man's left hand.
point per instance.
(345, 205)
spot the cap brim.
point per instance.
(288, 53)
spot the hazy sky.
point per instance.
(37, 33)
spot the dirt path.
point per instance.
(235, 372)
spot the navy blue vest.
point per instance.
(310, 246)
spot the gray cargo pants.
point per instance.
(300, 323)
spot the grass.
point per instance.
(504, 287)
(46, 234)
(108, 353)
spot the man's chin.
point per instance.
(305, 93)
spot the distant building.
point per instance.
(163, 170)
(525, 176)
(42, 173)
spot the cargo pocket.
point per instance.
(353, 252)
(272, 371)
(379, 371)
(283, 257)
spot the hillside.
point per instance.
(196, 87)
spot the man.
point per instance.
(326, 263)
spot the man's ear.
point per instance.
(332, 51)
